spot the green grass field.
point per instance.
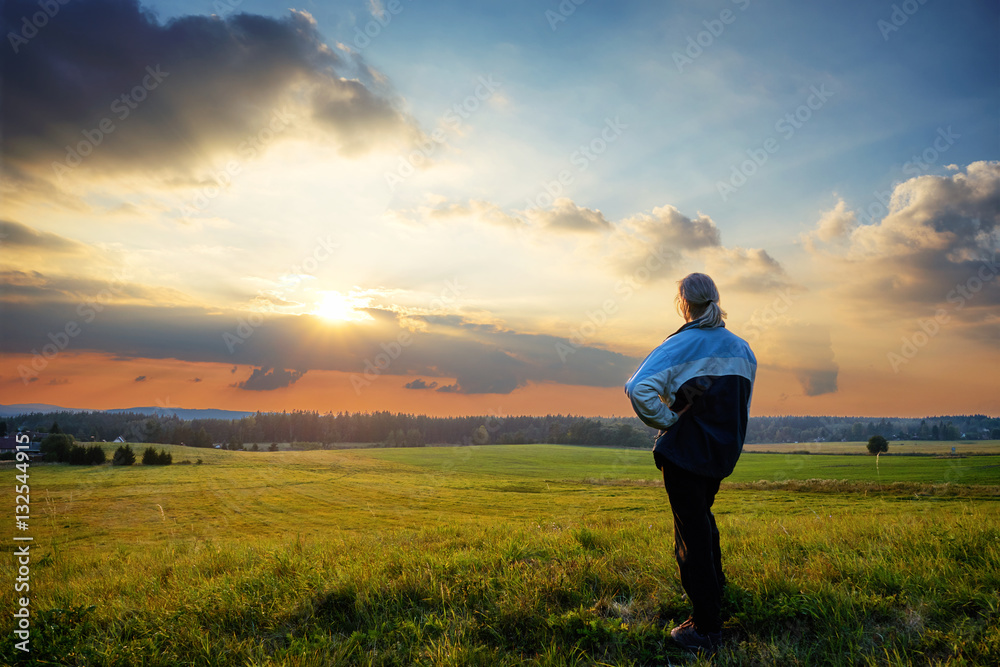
(962, 447)
(503, 555)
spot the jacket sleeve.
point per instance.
(646, 387)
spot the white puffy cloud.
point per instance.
(565, 216)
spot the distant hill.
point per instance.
(25, 408)
(182, 413)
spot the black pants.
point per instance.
(696, 542)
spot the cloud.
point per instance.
(745, 269)
(127, 93)
(804, 350)
(88, 293)
(267, 379)
(666, 226)
(565, 216)
(450, 389)
(834, 227)
(478, 358)
(23, 237)
(648, 244)
(141, 378)
(662, 238)
(667, 240)
(939, 239)
(420, 384)
(957, 215)
(440, 210)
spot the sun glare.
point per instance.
(337, 307)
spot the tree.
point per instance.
(201, 438)
(96, 455)
(481, 436)
(877, 444)
(273, 447)
(3, 429)
(150, 457)
(56, 446)
(164, 459)
(124, 456)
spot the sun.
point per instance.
(337, 307)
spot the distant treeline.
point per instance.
(406, 430)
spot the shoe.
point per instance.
(687, 635)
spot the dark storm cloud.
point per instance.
(479, 359)
(267, 379)
(173, 96)
(420, 384)
(141, 378)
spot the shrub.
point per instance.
(124, 456)
(75, 455)
(96, 455)
(150, 457)
(56, 447)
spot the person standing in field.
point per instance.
(696, 388)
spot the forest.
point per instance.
(306, 429)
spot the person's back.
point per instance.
(707, 374)
(695, 388)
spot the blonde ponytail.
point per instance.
(698, 299)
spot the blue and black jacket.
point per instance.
(710, 369)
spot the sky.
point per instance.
(455, 208)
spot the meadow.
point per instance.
(503, 555)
